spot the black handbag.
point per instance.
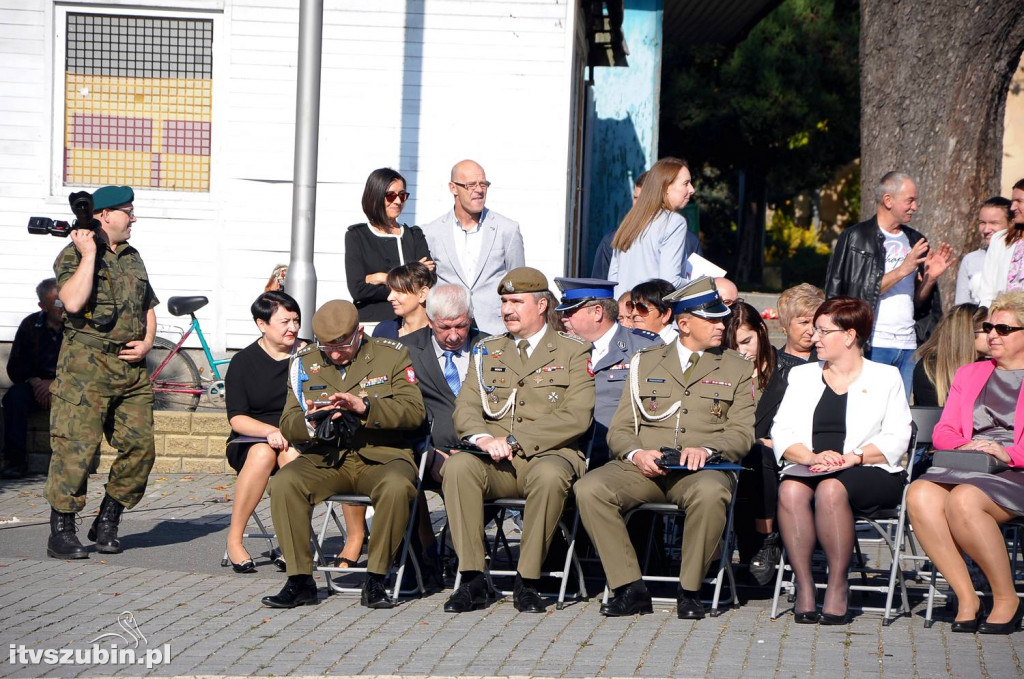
(968, 461)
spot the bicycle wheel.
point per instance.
(177, 386)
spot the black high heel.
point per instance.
(968, 626)
(806, 618)
(830, 619)
(246, 566)
(1007, 627)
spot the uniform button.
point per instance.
(655, 391)
(682, 430)
(519, 419)
(521, 383)
(686, 393)
(684, 411)
(376, 424)
(536, 448)
(522, 403)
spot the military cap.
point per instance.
(112, 196)
(578, 291)
(334, 320)
(698, 297)
(522, 279)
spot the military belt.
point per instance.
(93, 341)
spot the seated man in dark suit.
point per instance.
(440, 357)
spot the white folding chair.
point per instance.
(890, 526)
(676, 515)
(324, 562)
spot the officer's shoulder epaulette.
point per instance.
(493, 337)
(647, 334)
(575, 338)
(306, 350)
(653, 347)
(388, 342)
(733, 355)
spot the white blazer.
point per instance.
(996, 268)
(876, 412)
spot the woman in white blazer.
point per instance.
(842, 429)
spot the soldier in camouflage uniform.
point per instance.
(102, 387)
(374, 381)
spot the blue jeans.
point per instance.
(903, 359)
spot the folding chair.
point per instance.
(571, 563)
(263, 534)
(675, 515)
(324, 562)
(884, 523)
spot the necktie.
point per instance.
(689, 366)
(523, 346)
(451, 373)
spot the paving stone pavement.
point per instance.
(170, 580)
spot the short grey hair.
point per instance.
(448, 301)
(890, 183)
(610, 307)
(44, 287)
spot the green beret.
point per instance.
(523, 279)
(334, 320)
(112, 196)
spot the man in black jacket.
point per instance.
(890, 266)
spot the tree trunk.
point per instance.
(934, 80)
(751, 227)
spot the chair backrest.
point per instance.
(925, 417)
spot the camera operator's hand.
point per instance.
(85, 241)
(135, 351)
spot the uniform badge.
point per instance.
(315, 368)
(496, 354)
(493, 398)
(590, 368)
(653, 405)
(362, 389)
(718, 383)
(621, 345)
(553, 397)
(716, 408)
(410, 375)
(538, 379)
(508, 285)
(373, 381)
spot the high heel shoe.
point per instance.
(246, 566)
(806, 618)
(1007, 627)
(968, 626)
(830, 619)
(278, 559)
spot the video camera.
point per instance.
(81, 207)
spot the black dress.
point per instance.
(256, 385)
(367, 253)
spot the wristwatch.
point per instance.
(859, 452)
(366, 404)
(513, 444)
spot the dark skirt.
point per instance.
(237, 453)
(1005, 488)
(869, 488)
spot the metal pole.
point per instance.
(301, 280)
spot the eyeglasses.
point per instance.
(1002, 329)
(390, 196)
(569, 312)
(827, 331)
(638, 308)
(340, 346)
(473, 186)
(130, 211)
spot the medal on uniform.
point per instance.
(315, 368)
(716, 408)
(653, 405)
(538, 379)
(362, 389)
(493, 398)
(552, 397)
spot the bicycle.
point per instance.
(177, 382)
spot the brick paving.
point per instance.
(170, 579)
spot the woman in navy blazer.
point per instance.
(953, 510)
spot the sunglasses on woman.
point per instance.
(390, 196)
(638, 308)
(1002, 329)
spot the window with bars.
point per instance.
(137, 104)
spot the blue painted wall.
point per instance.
(622, 124)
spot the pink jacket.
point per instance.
(956, 426)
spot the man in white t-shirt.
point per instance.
(890, 266)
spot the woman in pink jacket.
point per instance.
(953, 510)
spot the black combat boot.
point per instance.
(63, 542)
(104, 528)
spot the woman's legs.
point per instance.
(249, 487)
(833, 522)
(974, 521)
(355, 527)
(927, 504)
(796, 523)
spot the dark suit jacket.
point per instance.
(365, 253)
(437, 395)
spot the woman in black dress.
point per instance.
(374, 248)
(256, 386)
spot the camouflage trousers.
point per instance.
(97, 394)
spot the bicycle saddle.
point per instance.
(180, 306)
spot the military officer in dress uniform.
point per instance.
(373, 379)
(527, 399)
(589, 310)
(691, 395)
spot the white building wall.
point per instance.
(412, 85)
